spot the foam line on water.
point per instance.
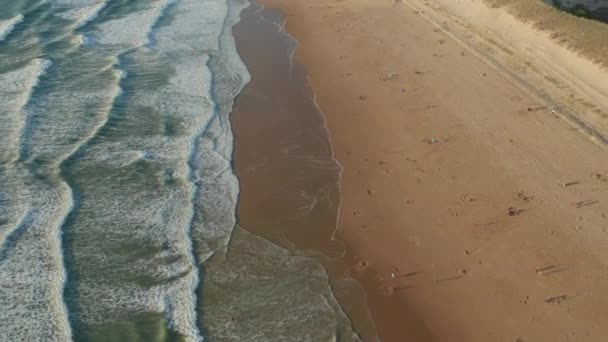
(134, 29)
(47, 138)
(31, 264)
(185, 98)
(84, 13)
(187, 92)
(7, 26)
(74, 119)
(32, 255)
(16, 89)
(37, 240)
(212, 158)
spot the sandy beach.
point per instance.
(474, 190)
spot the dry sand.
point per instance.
(440, 143)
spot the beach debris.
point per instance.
(567, 184)
(557, 299)
(390, 77)
(431, 141)
(581, 204)
(410, 274)
(543, 271)
(534, 109)
(394, 272)
(461, 275)
(362, 97)
(512, 211)
(361, 265)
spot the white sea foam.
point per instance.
(81, 113)
(16, 89)
(84, 14)
(43, 125)
(212, 159)
(132, 30)
(31, 264)
(199, 27)
(164, 216)
(7, 26)
(153, 169)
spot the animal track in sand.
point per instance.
(524, 197)
(516, 98)
(453, 212)
(415, 240)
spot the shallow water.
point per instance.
(117, 182)
(593, 9)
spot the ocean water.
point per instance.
(593, 9)
(117, 194)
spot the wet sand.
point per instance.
(289, 179)
(283, 158)
(481, 208)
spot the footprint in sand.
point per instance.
(415, 240)
(468, 198)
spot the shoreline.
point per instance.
(285, 165)
(455, 195)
